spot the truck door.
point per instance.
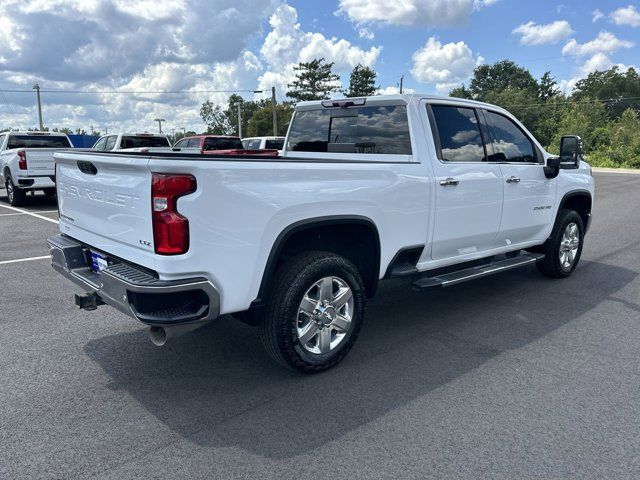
(469, 188)
(529, 197)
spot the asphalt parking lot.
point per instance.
(516, 376)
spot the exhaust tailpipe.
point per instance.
(160, 335)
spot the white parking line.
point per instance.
(24, 213)
(19, 210)
(4, 262)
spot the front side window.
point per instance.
(100, 144)
(181, 144)
(510, 144)
(195, 143)
(254, 144)
(459, 134)
(367, 130)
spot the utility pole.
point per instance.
(239, 120)
(401, 81)
(159, 120)
(36, 87)
(273, 108)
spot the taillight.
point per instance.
(170, 229)
(22, 160)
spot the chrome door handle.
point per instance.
(449, 182)
(513, 180)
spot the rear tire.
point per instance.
(564, 247)
(15, 196)
(315, 311)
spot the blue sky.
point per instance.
(124, 46)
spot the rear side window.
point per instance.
(276, 144)
(367, 130)
(142, 141)
(111, 142)
(37, 141)
(510, 144)
(253, 144)
(458, 131)
(223, 144)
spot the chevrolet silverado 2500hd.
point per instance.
(26, 162)
(440, 190)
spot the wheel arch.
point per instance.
(324, 233)
(580, 201)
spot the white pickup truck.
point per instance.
(440, 190)
(26, 162)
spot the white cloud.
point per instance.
(394, 90)
(286, 45)
(626, 16)
(446, 65)
(429, 13)
(598, 62)
(150, 45)
(596, 15)
(605, 42)
(533, 34)
(365, 33)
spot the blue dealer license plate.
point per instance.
(98, 262)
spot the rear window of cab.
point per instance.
(364, 130)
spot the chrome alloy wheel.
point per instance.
(324, 315)
(569, 245)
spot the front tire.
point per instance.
(564, 247)
(15, 196)
(315, 311)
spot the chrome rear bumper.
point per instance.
(134, 291)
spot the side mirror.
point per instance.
(570, 151)
(552, 168)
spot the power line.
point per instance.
(126, 92)
(566, 102)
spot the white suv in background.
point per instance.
(263, 143)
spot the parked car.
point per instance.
(262, 143)
(26, 162)
(128, 141)
(438, 190)
(220, 145)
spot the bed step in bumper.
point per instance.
(133, 290)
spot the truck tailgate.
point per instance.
(40, 161)
(105, 202)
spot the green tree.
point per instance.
(221, 121)
(588, 119)
(314, 81)
(619, 90)
(547, 87)
(461, 92)
(362, 82)
(261, 123)
(215, 119)
(499, 76)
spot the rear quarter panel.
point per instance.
(241, 206)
